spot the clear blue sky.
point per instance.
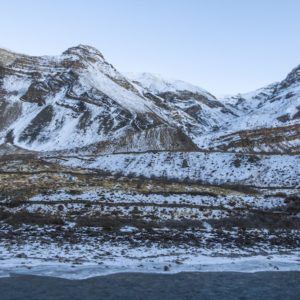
(224, 46)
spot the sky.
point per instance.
(224, 46)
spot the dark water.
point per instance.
(225, 285)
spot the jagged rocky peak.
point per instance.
(83, 51)
(292, 78)
(82, 56)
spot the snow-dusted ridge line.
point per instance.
(158, 84)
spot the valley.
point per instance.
(135, 172)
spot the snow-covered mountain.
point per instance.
(78, 101)
(135, 168)
(267, 120)
(274, 105)
(53, 103)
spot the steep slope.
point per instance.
(266, 120)
(68, 101)
(275, 105)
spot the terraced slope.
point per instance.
(94, 214)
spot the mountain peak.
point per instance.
(83, 51)
(293, 76)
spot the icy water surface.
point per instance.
(209, 285)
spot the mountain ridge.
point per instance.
(56, 103)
